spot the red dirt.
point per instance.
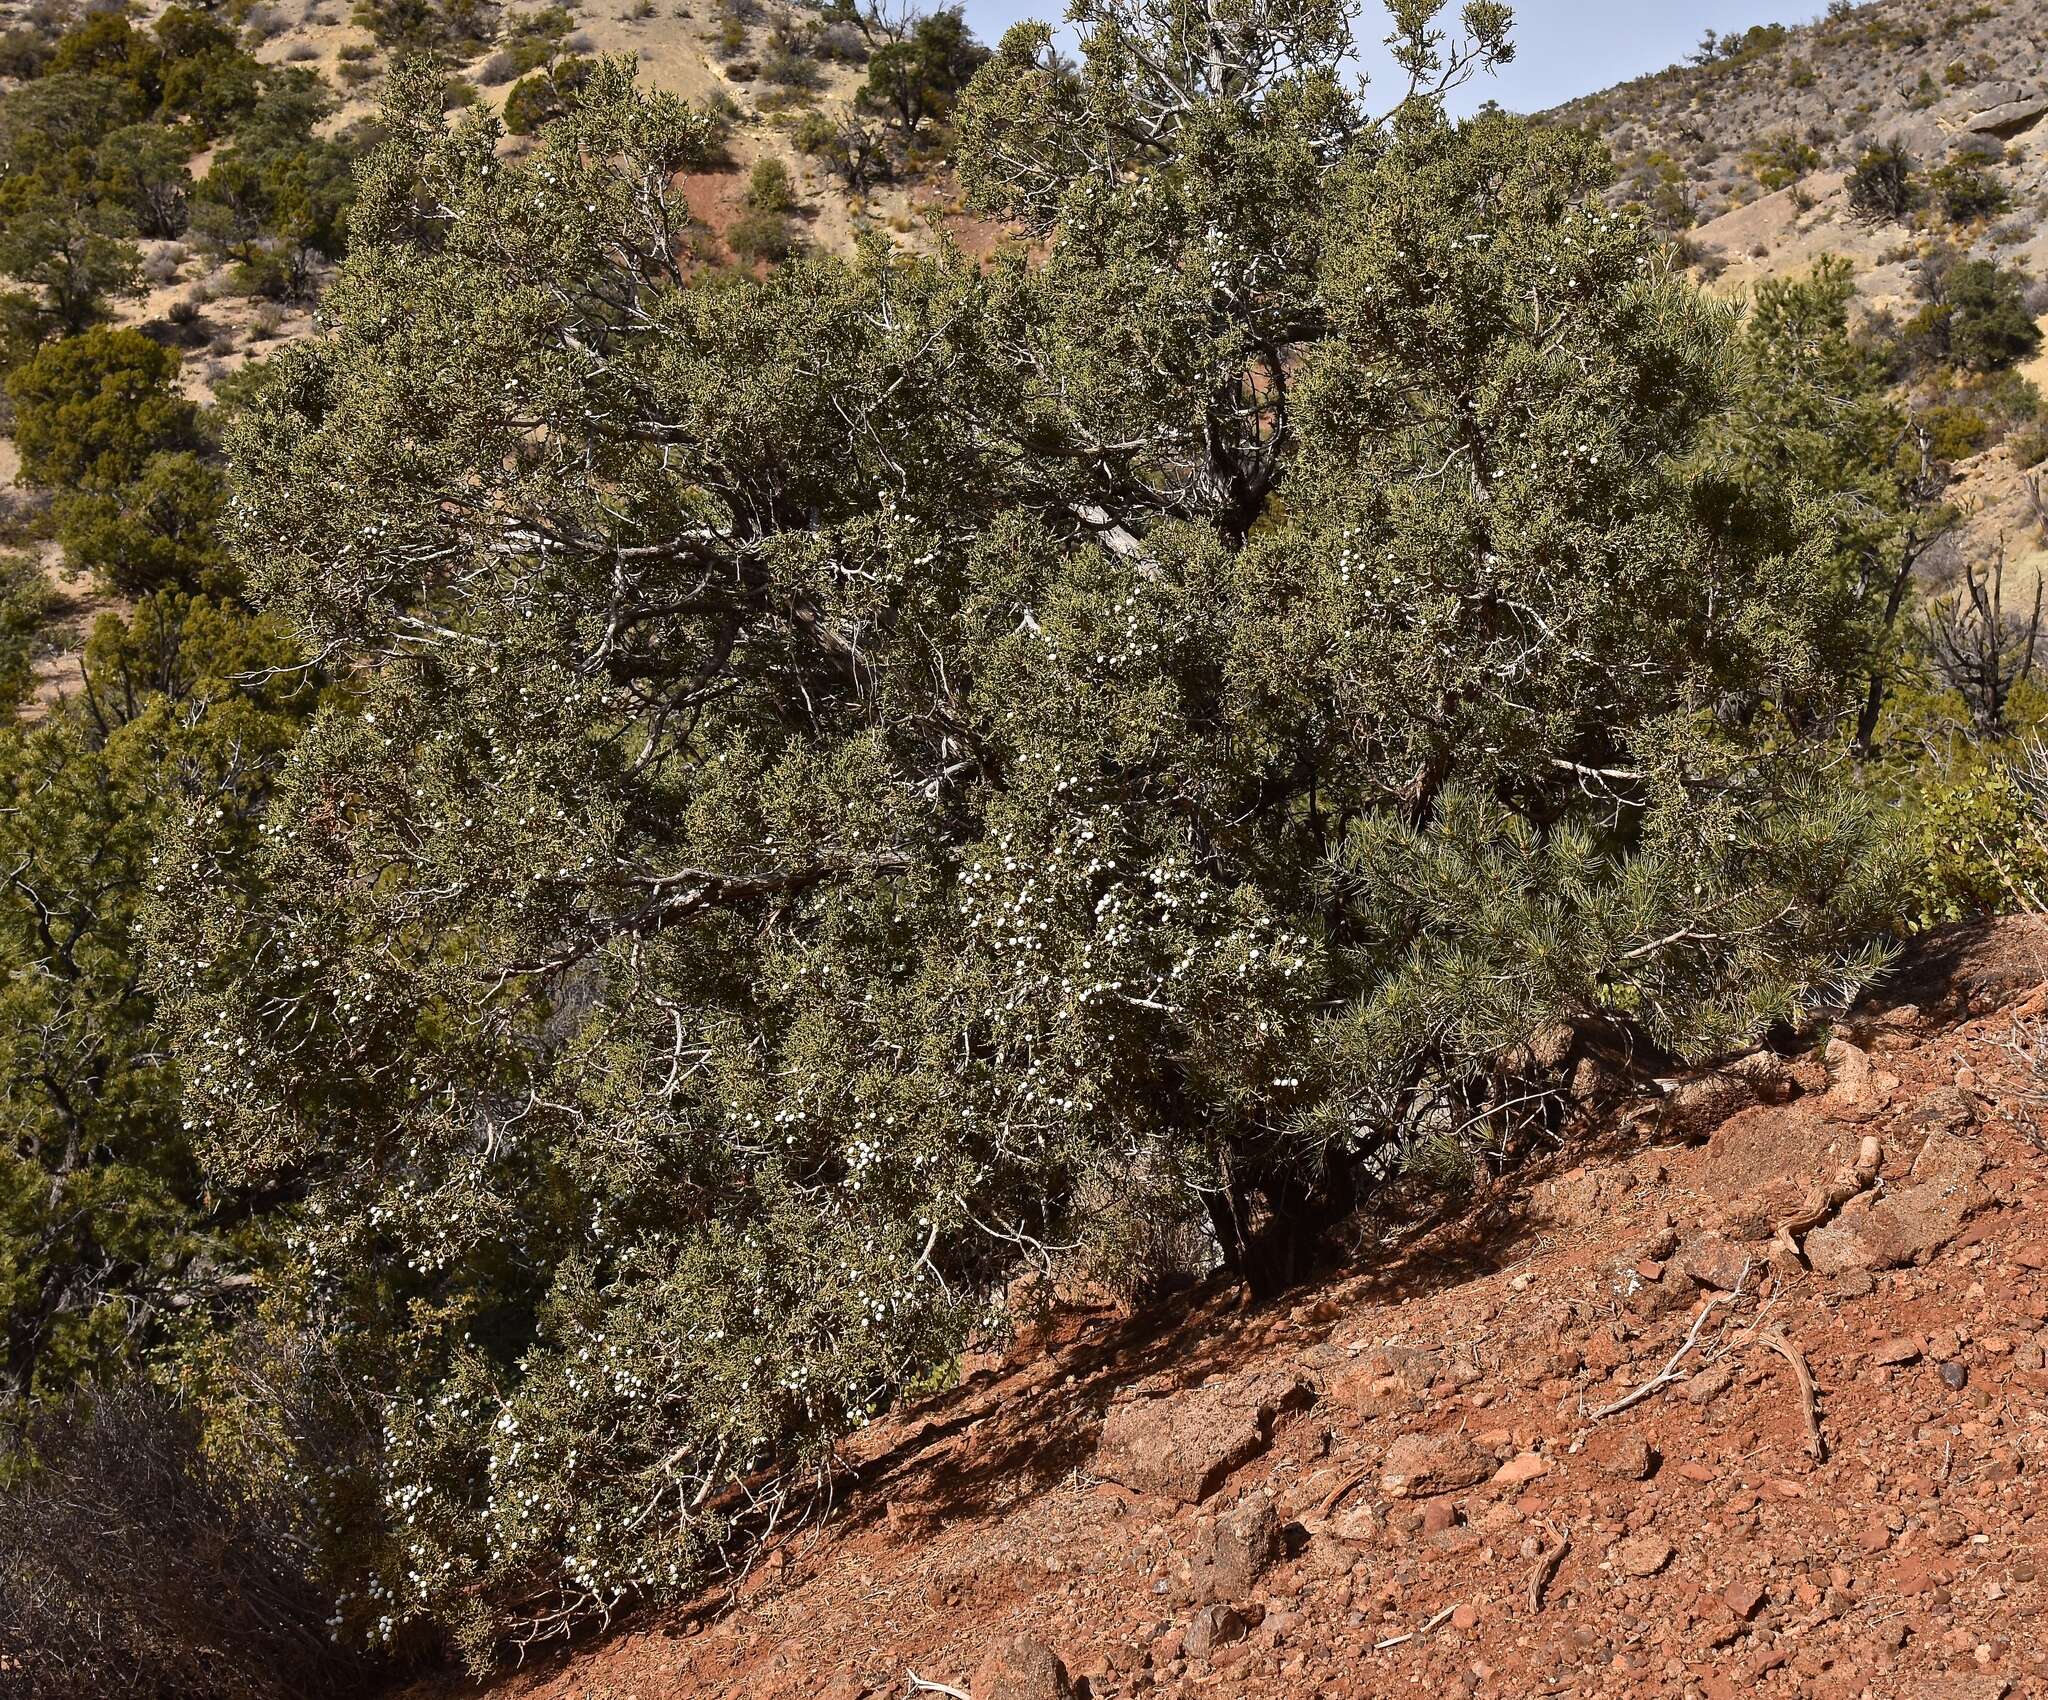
(1710, 1554)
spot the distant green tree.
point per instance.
(916, 79)
(1967, 190)
(276, 198)
(162, 531)
(1989, 324)
(91, 409)
(107, 44)
(1883, 187)
(145, 168)
(549, 93)
(73, 255)
(64, 234)
(1815, 409)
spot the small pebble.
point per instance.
(1955, 1375)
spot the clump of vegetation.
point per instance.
(1884, 186)
(914, 81)
(1781, 160)
(546, 95)
(530, 41)
(1975, 318)
(448, 29)
(846, 146)
(1967, 191)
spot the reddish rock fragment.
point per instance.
(1022, 1668)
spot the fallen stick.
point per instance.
(1809, 1395)
(1848, 1185)
(1547, 1562)
(1669, 1373)
(1437, 1622)
(1335, 1497)
(918, 1685)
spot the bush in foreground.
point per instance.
(848, 765)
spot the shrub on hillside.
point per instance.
(844, 766)
(1967, 191)
(132, 1567)
(91, 409)
(1883, 186)
(546, 95)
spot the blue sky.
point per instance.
(1563, 47)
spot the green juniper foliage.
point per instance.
(843, 766)
(106, 1225)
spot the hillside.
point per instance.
(1777, 102)
(1404, 1483)
(1749, 158)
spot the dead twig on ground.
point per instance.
(1849, 1184)
(1547, 1562)
(1337, 1495)
(1809, 1394)
(1670, 1372)
(918, 1685)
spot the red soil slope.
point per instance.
(1402, 1484)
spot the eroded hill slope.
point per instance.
(1561, 1447)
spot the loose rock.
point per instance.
(1642, 1555)
(1022, 1668)
(1182, 1445)
(1418, 1465)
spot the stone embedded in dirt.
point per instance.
(1641, 1555)
(1236, 1550)
(1946, 1158)
(1713, 1261)
(1439, 1517)
(1211, 1628)
(1744, 1599)
(1626, 1456)
(1709, 1384)
(1956, 1375)
(1902, 1350)
(1693, 1108)
(1856, 1090)
(1962, 1687)
(1947, 1109)
(1520, 1470)
(1415, 1366)
(1465, 1617)
(2034, 1256)
(1912, 1223)
(1182, 1445)
(1418, 1465)
(1022, 1668)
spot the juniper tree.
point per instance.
(1813, 407)
(842, 763)
(106, 1227)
